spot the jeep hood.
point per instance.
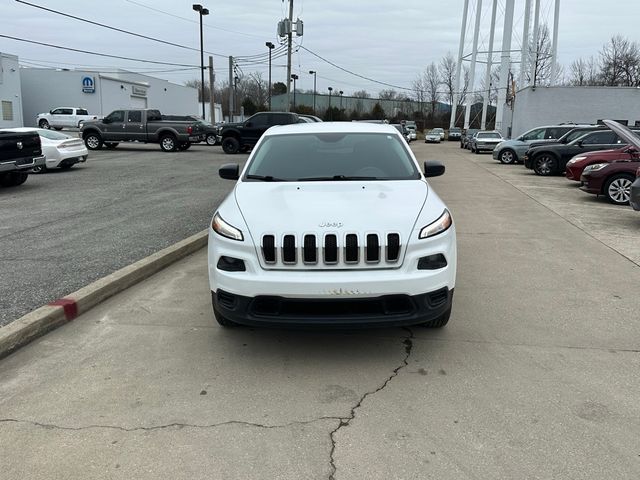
(339, 207)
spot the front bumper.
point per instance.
(573, 173)
(338, 290)
(382, 311)
(634, 200)
(528, 162)
(587, 184)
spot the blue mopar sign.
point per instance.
(88, 85)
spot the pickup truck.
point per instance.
(240, 137)
(64, 117)
(141, 125)
(19, 153)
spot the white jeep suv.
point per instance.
(332, 224)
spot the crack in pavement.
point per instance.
(50, 426)
(345, 421)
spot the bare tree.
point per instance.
(419, 90)
(361, 94)
(196, 84)
(543, 59)
(447, 71)
(620, 62)
(431, 80)
(388, 94)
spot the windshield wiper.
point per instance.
(264, 178)
(335, 177)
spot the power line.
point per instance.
(186, 47)
(98, 53)
(356, 74)
(190, 20)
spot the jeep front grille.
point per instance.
(330, 249)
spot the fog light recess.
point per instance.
(432, 262)
(230, 264)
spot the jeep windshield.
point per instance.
(332, 157)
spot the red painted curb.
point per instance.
(69, 306)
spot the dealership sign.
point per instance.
(139, 91)
(88, 85)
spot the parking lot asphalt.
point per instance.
(64, 229)
(534, 377)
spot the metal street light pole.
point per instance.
(201, 11)
(270, 46)
(330, 112)
(294, 77)
(313, 72)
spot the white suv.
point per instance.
(332, 224)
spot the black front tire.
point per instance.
(211, 139)
(168, 143)
(230, 145)
(545, 165)
(39, 169)
(93, 141)
(44, 124)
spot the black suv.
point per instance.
(551, 158)
(240, 137)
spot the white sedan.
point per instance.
(61, 150)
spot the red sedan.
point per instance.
(613, 180)
(577, 164)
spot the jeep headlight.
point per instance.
(595, 167)
(224, 229)
(437, 227)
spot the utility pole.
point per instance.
(212, 79)
(313, 72)
(270, 46)
(294, 77)
(289, 45)
(231, 105)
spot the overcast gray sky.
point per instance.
(389, 41)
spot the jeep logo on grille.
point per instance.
(19, 145)
(331, 225)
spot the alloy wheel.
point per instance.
(619, 190)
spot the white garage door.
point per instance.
(138, 102)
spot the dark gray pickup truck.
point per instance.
(146, 126)
(19, 153)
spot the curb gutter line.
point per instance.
(49, 317)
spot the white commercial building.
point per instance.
(102, 92)
(10, 95)
(538, 106)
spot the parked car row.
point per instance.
(605, 159)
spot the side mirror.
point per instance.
(580, 144)
(106, 120)
(248, 124)
(51, 111)
(433, 168)
(229, 171)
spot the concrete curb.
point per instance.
(49, 317)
